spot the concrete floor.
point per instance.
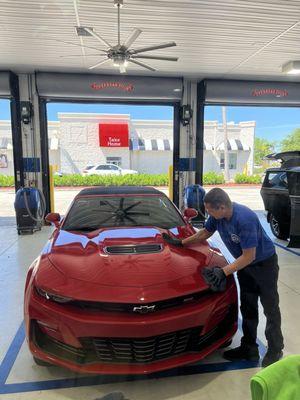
(20, 378)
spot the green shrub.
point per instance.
(259, 170)
(6, 181)
(243, 178)
(212, 178)
(98, 180)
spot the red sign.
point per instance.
(127, 87)
(270, 91)
(113, 135)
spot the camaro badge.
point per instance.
(144, 309)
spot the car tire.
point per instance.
(278, 229)
(41, 363)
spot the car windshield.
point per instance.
(90, 213)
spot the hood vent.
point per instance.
(138, 249)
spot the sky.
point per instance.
(272, 123)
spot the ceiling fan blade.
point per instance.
(142, 64)
(98, 37)
(150, 48)
(132, 38)
(99, 63)
(156, 58)
(86, 55)
(76, 44)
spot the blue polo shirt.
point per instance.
(242, 231)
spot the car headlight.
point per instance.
(52, 296)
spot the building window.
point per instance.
(222, 161)
(232, 160)
(114, 160)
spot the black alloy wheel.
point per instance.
(278, 229)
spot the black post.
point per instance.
(44, 152)
(16, 130)
(176, 130)
(200, 132)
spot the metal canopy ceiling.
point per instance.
(215, 39)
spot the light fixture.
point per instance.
(118, 3)
(291, 68)
(120, 61)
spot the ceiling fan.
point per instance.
(121, 54)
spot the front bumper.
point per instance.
(121, 343)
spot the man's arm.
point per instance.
(201, 235)
(216, 277)
(241, 262)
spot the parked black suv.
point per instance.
(281, 196)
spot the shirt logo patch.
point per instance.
(235, 238)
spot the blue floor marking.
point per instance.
(287, 249)
(16, 344)
(109, 379)
(11, 354)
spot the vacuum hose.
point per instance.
(40, 211)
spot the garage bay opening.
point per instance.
(237, 140)
(108, 144)
(7, 181)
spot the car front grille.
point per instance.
(145, 350)
(192, 298)
(137, 249)
(134, 350)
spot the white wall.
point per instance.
(152, 129)
(5, 132)
(152, 162)
(244, 131)
(211, 162)
(79, 142)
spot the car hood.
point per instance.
(82, 258)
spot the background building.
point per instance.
(77, 140)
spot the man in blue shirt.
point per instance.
(257, 270)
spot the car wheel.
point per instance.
(278, 229)
(41, 363)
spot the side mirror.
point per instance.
(190, 213)
(53, 218)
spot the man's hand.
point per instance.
(215, 278)
(171, 240)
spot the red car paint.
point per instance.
(75, 265)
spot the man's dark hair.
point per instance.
(216, 198)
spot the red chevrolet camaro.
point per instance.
(109, 296)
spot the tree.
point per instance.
(262, 147)
(292, 141)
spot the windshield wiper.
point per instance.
(82, 228)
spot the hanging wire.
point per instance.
(32, 133)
